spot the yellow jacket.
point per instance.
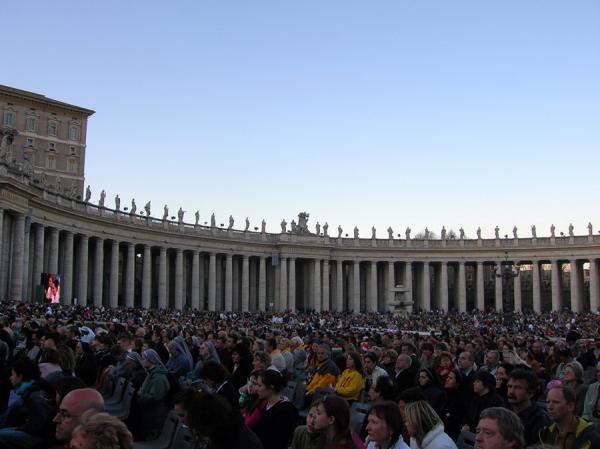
(327, 374)
(350, 384)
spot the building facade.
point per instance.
(50, 138)
(106, 256)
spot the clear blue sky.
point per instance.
(369, 113)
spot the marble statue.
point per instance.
(461, 233)
(197, 217)
(302, 226)
(479, 233)
(533, 232)
(133, 207)
(390, 233)
(58, 184)
(443, 233)
(247, 225)
(27, 166)
(571, 234)
(180, 214)
(147, 209)
(88, 194)
(515, 232)
(117, 202)
(497, 232)
(340, 231)
(283, 226)
(326, 229)
(426, 233)
(355, 232)
(552, 230)
(231, 221)
(165, 213)
(590, 229)
(373, 233)
(318, 228)
(102, 199)
(213, 220)
(407, 232)
(263, 226)
(44, 181)
(294, 226)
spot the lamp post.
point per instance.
(507, 273)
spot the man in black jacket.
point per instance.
(522, 385)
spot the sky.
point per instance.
(398, 113)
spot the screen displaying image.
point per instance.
(51, 286)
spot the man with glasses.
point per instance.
(70, 410)
(326, 374)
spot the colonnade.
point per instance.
(115, 272)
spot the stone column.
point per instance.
(292, 284)
(576, 300)
(283, 287)
(4, 256)
(356, 287)
(372, 290)
(163, 300)
(130, 275)
(535, 283)
(518, 305)
(408, 281)
(499, 287)
(391, 283)
(113, 289)
(325, 288)
(67, 279)
(26, 294)
(53, 252)
(462, 287)
(339, 289)
(246, 283)
(16, 280)
(262, 284)
(201, 283)
(212, 282)
(426, 288)
(317, 286)
(82, 290)
(147, 277)
(594, 291)
(229, 282)
(38, 253)
(443, 286)
(179, 279)
(556, 296)
(99, 272)
(480, 295)
(195, 280)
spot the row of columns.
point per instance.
(19, 275)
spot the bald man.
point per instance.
(72, 407)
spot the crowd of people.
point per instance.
(275, 381)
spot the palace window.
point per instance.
(72, 166)
(51, 146)
(51, 162)
(52, 128)
(31, 124)
(29, 142)
(9, 119)
(74, 133)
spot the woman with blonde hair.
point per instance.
(101, 431)
(426, 428)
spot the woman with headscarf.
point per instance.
(180, 361)
(153, 394)
(206, 353)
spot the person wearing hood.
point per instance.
(206, 353)
(484, 396)
(180, 360)
(428, 384)
(152, 395)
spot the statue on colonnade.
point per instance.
(533, 231)
(590, 229)
(247, 224)
(231, 221)
(461, 233)
(283, 226)
(443, 233)
(497, 232)
(88, 194)
(407, 233)
(373, 232)
(197, 217)
(355, 232)
(326, 229)
(147, 209)
(552, 230)
(165, 213)
(340, 231)
(133, 207)
(213, 220)
(515, 232)
(479, 232)
(117, 203)
(102, 199)
(180, 213)
(390, 233)
(263, 226)
(318, 228)
(571, 233)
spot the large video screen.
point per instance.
(51, 285)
